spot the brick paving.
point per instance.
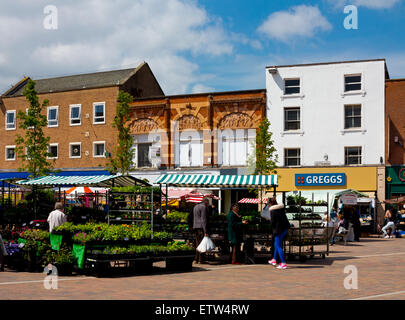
(380, 264)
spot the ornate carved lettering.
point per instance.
(189, 122)
(143, 126)
(236, 121)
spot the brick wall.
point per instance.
(395, 121)
(64, 133)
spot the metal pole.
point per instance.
(160, 199)
(59, 194)
(151, 211)
(327, 224)
(2, 195)
(220, 201)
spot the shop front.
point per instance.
(327, 184)
(395, 182)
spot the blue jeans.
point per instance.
(278, 245)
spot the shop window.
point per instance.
(235, 146)
(352, 82)
(99, 113)
(99, 149)
(10, 153)
(352, 116)
(146, 150)
(352, 155)
(52, 116)
(292, 119)
(291, 86)
(75, 150)
(53, 151)
(11, 120)
(292, 157)
(75, 115)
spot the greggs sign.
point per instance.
(320, 179)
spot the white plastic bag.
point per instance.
(206, 245)
(265, 214)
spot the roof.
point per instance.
(202, 94)
(207, 180)
(76, 82)
(325, 63)
(99, 181)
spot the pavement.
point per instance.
(379, 264)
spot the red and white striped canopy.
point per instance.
(198, 197)
(252, 200)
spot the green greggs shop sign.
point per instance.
(394, 181)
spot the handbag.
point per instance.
(206, 245)
(265, 214)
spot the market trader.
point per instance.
(56, 217)
(200, 213)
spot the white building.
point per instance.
(328, 113)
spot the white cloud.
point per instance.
(201, 88)
(371, 4)
(97, 35)
(299, 21)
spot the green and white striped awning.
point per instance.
(209, 180)
(97, 181)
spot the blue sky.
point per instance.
(195, 45)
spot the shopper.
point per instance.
(3, 253)
(56, 217)
(280, 225)
(355, 219)
(200, 213)
(390, 224)
(235, 232)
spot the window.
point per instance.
(291, 86)
(10, 120)
(352, 155)
(75, 115)
(292, 157)
(235, 146)
(191, 149)
(352, 116)
(53, 150)
(352, 82)
(75, 150)
(292, 117)
(99, 149)
(52, 116)
(144, 155)
(99, 113)
(146, 150)
(10, 153)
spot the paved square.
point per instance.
(380, 264)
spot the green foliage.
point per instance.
(153, 249)
(177, 216)
(123, 155)
(35, 235)
(62, 257)
(33, 148)
(137, 189)
(296, 200)
(264, 161)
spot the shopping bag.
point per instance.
(206, 245)
(265, 214)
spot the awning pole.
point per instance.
(166, 199)
(59, 194)
(2, 195)
(220, 201)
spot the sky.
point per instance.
(194, 45)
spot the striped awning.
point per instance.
(99, 181)
(251, 200)
(208, 180)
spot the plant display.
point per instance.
(35, 235)
(296, 200)
(177, 216)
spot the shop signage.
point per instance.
(320, 179)
(350, 199)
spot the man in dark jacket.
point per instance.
(200, 213)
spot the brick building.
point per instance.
(81, 110)
(395, 137)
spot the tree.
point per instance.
(33, 147)
(122, 161)
(264, 160)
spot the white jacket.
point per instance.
(55, 219)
